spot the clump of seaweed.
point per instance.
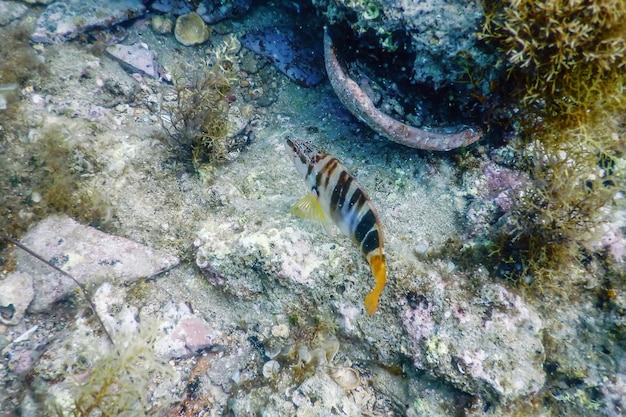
(19, 62)
(120, 383)
(198, 117)
(37, 176)
(18, 66)
(566, 63)
(48, 175)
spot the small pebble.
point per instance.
(281, 330)
(161, 25)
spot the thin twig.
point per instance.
(56, 268)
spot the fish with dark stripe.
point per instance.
(335, 196)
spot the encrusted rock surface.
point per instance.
(441, 33)
(491, 344)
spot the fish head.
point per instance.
(303, 154)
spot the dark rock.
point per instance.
(293, 50)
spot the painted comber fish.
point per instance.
(335, 196)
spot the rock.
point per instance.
(212, 11)
(191, 30)
(491, 345)
(11, 10)
(90, 256)
(16, 293)
(295, 52)
(136, 58)
(175, 7)
(437, 30)
(161, 25)
(37, 1)
(65, 20)
(185, 334)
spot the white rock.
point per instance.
(11, 10)
(270, 368)
(185, 334)
(135, 57)
(65, 20)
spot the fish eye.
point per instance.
(294, 149)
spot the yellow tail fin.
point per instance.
(379, 270)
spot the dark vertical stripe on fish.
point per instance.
(328, 170)
(370, 242)
(357, 199)
(339, 191)
(367, 222)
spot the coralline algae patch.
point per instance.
(489, 344)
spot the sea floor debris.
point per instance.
(361, 106)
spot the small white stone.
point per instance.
(421, 247)
(35, 197)
(280, 330)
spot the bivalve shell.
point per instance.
(270, 368)
(191, 30)
(346, 377)
(272, 352)
(303, 354)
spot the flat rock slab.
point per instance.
(89, 255)
(65, 20)
(185, 334)
(135, 58)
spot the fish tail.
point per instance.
(379, 269)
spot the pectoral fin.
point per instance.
(309, 208)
